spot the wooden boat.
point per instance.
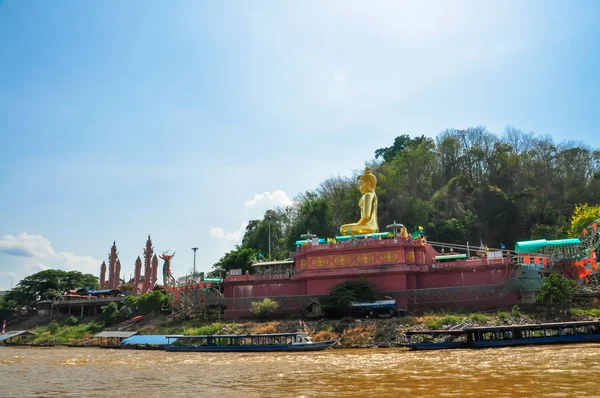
(299, 341)
(506, 336)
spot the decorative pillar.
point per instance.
(154, 271)
(103, 275)
(148, 251)
(117, 274)
(112, 263)
(136, 280)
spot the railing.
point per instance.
(90, 301)
(257, 277)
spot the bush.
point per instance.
(516, 311)
(503, 316)
(480, 318)
(409, 321)
(437, 324)
(71, 321)
(556, 290)
(110, 313)
(53, 326)
(263, 309)
(153, 303)
(339, 300)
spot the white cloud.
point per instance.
(26, 245)
(37, 254)
(252, 209)
(268, 200)
(233, 237)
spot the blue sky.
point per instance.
(183, 121)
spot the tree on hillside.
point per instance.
(238, 258)
(48, 283)
(583, 216)
(464, 185)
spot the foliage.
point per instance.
(238, 258)
(464, 185)
(265, 328)
(440, 323)
(6, 310)
(110, 313)
(516, 311)
(595, 312)
(48, 284)
(54, 333)
(71, 321)
(503, 316)
(479, 318)
(263, 309)
(53, 326)
(409, 321)
(557, 290)
(583, 216)
(342, 295)
(154, 302)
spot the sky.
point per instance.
(184, 120)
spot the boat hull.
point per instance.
(436, 346)
(320, 346)
(537, 341)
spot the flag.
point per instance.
(487, 249)
(421, 228)
(502, 245)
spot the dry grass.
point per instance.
(265, 328)
(359, 336)
(324, 335)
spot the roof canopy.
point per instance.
(146, 340)
(10, 335)
(534, 246)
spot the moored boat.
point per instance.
(299, 341)
(506, 336)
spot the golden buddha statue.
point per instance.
(368, 207)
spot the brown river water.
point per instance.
(558, 371)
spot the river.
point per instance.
(560, 371)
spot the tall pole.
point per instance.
(194, 249)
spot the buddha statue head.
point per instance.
(367, 181)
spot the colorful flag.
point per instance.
(502, 245)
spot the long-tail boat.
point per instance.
(506, 336)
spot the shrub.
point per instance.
(71, 321)
(480, 318)
(516, 311)
(503, 316)
(110, 313)
(53, 326)
(359, 336)
(153, 303)
(409, 321)
(342, 295)
(324, 335)
(263, 309)
(266, 328)
(556, 290)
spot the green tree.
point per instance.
(264, 309)
(583, 216)
(154, 302)
(343, 295)
(110, 313)
(238, 258)
(46, 283)
(557, 291)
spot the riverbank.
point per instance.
(350, 332)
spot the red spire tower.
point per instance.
(136, 280)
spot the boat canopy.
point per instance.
(534, 246)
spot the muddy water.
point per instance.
(560, 371)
